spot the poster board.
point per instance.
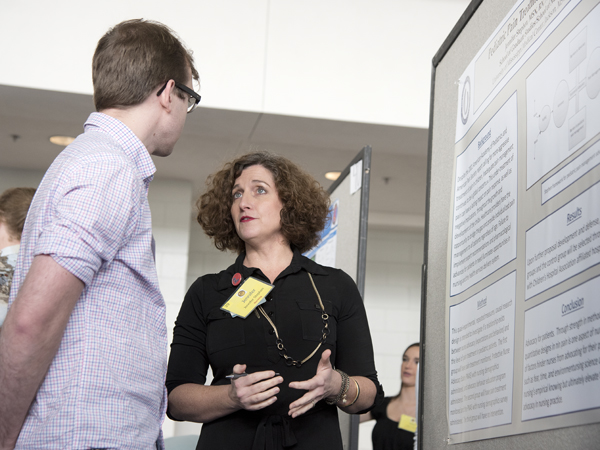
(510, 304)
(344, 245)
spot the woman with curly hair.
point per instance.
(282, 369)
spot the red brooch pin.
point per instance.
(236, 279)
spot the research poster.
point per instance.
(325, 251)
(482, 330)
(562, 353)
(485, 201)
(562, 99)
(564, 244)
(523, 264)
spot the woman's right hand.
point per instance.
(256, 390)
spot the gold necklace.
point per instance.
(325, 332)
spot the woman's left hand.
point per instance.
(326, 383)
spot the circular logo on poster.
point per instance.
(465, 101)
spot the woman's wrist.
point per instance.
(234, 401)
(334, 387)
(341, 393)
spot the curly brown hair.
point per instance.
(305, 202)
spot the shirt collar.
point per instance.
(128, 141)
(299, 262)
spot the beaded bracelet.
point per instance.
(343, 389)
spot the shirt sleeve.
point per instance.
(354, 348)
(379, 411)
(188, 362)
(93, 211)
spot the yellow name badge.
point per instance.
(408, 423)
(250, 294)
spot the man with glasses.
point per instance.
(193, 99)
(83, 349)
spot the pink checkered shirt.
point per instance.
(105, 387)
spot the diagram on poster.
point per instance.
(482, 343)
(485, 206)
(561, 367)
(563, 106)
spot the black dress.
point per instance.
(206, 335)
(386, 434)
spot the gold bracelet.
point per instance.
(357, 392)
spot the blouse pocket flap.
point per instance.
(313, 324)
(309, 306)
(224, 331)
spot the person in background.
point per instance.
(14, 204)
(396, 416)
(282, 372)
(83, 349)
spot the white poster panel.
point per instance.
(356, 173)
(562, 353)
(485, 201)
(482, 343)
(519, 35)
(563, 106)
(564, 244)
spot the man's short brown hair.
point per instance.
(305, 204)
(14, 204)
(133, 59)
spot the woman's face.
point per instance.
(256, 206)
(410, 362)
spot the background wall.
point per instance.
(10, 178)
(356, 60)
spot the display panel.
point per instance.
(513, 229)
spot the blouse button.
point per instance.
(271, 331)
(270, 313)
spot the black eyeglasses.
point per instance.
(193, 99)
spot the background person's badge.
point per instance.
(407, 423)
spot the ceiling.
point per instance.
(28, 117)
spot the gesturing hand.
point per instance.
(254, 391)
(325, 383)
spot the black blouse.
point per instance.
(206, 335)
(386, 434)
